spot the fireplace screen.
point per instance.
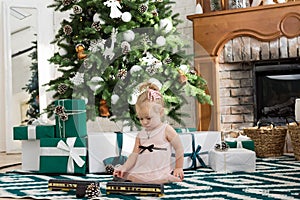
(276, 88)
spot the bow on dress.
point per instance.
(150, 148)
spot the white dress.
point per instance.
(153, 164)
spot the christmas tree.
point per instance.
(108, 47)
(32, 87)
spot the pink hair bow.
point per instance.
(153, 95)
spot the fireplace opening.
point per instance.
(276, 88)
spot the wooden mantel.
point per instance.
(214, 29)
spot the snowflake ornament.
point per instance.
(97, 45)
(77, 79)
(150, 60)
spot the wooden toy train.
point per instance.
(67, 185)
(83, 188)
(130, 188)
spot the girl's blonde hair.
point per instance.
(149, 92)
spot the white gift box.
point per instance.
(232, 160)
(30, 155)
(102, 145)
(207, 141)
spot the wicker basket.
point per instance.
(268, 140)
(294, 131)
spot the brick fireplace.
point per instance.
(228, 46)
(244, 64)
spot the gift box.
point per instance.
(232, 160)
(240, 142)
(108, 148)
(196, 147)
(63, 155)
(30, 155)
(249, 144)
(33, 132)
(70, 118)
(185, 130)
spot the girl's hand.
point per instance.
(118, 172)
(178, 172)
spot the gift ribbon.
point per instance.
(238, 140)
(195, 155)
(31, 129)
(31, 132)
(61, 123)
(67, 149)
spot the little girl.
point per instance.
(150, 161)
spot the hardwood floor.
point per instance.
(10, 162)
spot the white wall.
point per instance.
(45, 36)
(2, 107)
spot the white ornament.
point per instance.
(94, 83)
(114, 98)
(166, 24)
(135, 68)
(96, 79)
(62, 51)
(94, 87)
(86, 100)
(156, 82)
(198, 9)
(268, 2)
(149, 59)
(114, 8)
(77, 79)
(133, 98)
(184, 68)
(129, 35)
(126, 17)
(97, 18)
(161, 41)
(109, 51)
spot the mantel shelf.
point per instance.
(266, 23)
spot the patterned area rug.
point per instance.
(274, 179)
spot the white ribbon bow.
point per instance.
(73, 155)
(31, 130)
(239, 140)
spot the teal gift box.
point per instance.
(63, 155)
(70, 118)
(247, 144)
(33, 132)
(185, 130)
